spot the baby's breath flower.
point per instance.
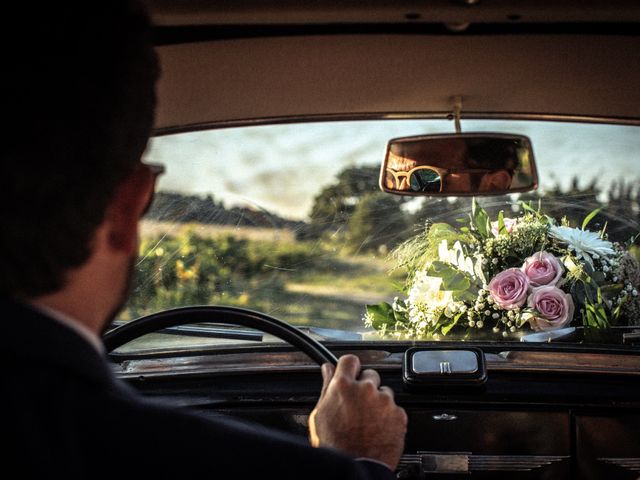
(368, 319)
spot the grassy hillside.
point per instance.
(302, 282)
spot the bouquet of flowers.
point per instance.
(507, 275)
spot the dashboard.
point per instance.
(565, 418)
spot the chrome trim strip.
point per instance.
(632, 464)
(394, 116)
(465, 462)
(446, 417)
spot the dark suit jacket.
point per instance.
(64, 415)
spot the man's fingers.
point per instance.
(348, 367)
(370, 376)
(327, 374)
(387, 391)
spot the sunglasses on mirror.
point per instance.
(424, 178)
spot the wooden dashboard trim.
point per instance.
(508, 361)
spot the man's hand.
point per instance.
(356, 415)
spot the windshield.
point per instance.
(290, 220)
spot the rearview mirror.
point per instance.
(459, 164)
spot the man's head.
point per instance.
(500, 158)
(78, 93)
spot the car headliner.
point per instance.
(255, 63)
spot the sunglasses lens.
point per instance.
(425, 180)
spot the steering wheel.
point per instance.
(233, 315)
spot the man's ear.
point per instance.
(127, 206)
(498, 180)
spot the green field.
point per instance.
(305, 283)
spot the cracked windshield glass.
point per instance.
(290, 220)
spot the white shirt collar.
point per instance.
(73, 324)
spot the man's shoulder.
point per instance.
(35, 342)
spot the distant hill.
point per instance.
(176, 207)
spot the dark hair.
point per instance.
(78, 95)
(492, 154)
(495, 154)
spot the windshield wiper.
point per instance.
(332, 334)
(547, 337)
(232, 332)
(206, 330)
(210, 331)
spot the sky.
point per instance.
(281, 168)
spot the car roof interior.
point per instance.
(525, 59)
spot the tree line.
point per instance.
(353, 211)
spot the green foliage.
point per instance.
(190, 269)
(502, 230)
(479, 220)
(447, 327)
(452, 278)
(381, 316)
(335, 204)
(589, 217)
(376, 222)
(416, 252)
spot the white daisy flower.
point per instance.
(585, 243)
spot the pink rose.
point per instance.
(509, 288)
(542, 268)
(509, 226)
(555, 307)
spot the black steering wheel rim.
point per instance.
(220, 314)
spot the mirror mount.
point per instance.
(457, 110)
